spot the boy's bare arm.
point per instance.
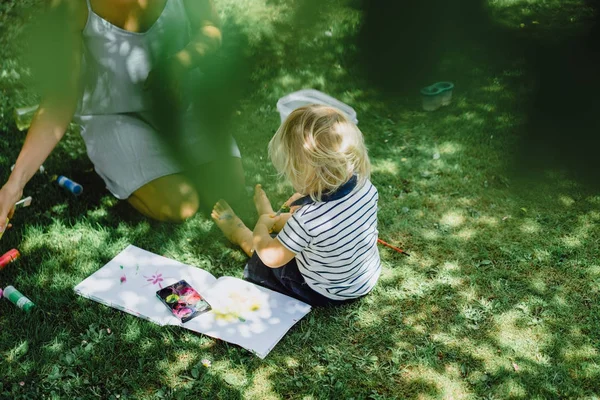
(270, 250)
(283, 219)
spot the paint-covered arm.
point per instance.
(271, 252)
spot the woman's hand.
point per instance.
(9, 195)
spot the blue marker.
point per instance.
(71, 186)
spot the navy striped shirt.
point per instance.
(335, 243)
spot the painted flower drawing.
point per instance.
(155, 279)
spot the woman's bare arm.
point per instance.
(52, 118)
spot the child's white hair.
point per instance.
(318, 149)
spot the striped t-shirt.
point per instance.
(335, 243)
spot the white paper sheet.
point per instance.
(248, 315)
(129, 282)
(243, 313)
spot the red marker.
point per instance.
(9, 257)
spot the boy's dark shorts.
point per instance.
(287, 280)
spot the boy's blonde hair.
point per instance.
(318, 149)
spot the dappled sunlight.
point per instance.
(176, 364)
(572, 241)
(417, 323)
(60, 238)
(453, 219)
(511, 388)
(465, 201)
(528, 342)
(256, 17)
(289, 82)
(494, 86)
(449, 278)
(542, 255)
(488, 356)
(594, 200)
(56, 346)
(530, 226)
(497, 300)
(579, 352)
(487, 220)
(466, 234)
(132, 334)
(530, 14)
(384, 166)
(566, 201)
(291, 362)
(594, 271)
(18, 350)
(389, 274)
(538, 283)
(450, 148)
(262, 386)
(430, 234)
(445, 386)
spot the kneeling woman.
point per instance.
(117, 47)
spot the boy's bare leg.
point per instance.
(263, 206)
(261, 201)
(232, 226)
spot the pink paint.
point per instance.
(155, 279)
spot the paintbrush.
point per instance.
(393, 247)
(284, 208)
(26, 202)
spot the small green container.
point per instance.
(437, 95)
(18, 299)
(446, 95)
(431, 97)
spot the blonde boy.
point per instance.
(325, 252)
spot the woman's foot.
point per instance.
(261, 201)
(232, 226)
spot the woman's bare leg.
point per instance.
(174, 198)
(171, 198)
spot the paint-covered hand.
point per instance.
(9, 195)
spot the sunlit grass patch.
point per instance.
(528, 342)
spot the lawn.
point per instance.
(499, 298)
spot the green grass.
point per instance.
(499, 299)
